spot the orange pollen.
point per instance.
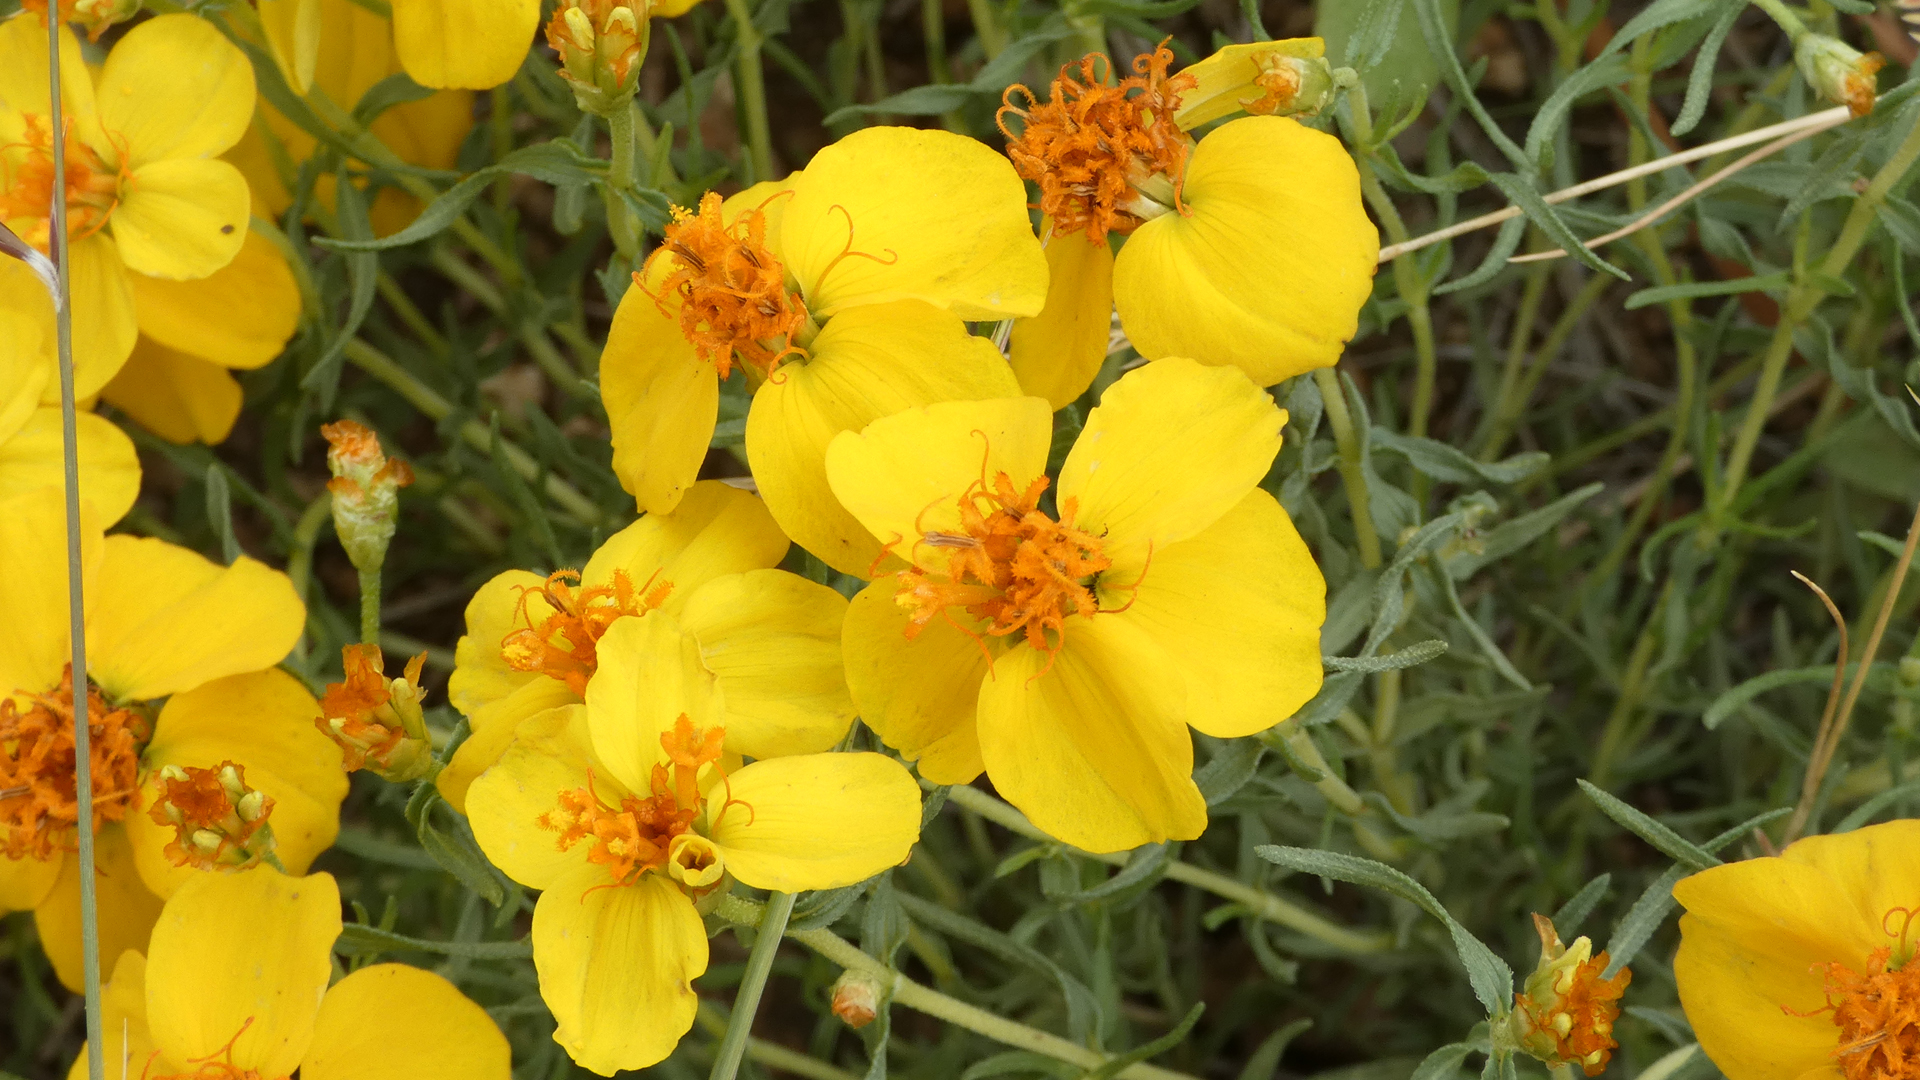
(636, 836)
(358, 712)
(732, 292)
(1579, 1024)
(93, 189)
(39, 806)
(1011, 565)
(1860, 88)
(219, 822)
(562, 646)
(1281, 85)
(1878, 1015)
(1091, 146)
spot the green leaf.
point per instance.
(1166, 1042)
(1412, 655)
(1492, 979)
(1083, 1008)
(1442, 462)
(357, 939)
(1510, 536)
(363, 272)
(1700, 79)
(220, 511)
(987, 85)
(1444, 1063)
(1880, 676)
(1902, 221)
(530, 508)
(1672, 844)
(558, 161)
(1865, 811)
(1581, 904)
(1527, 197)
(1264, 1062)
(1229, 770)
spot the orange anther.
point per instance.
(732, 292)
(39, 806)
(94, 188)
(564, 644)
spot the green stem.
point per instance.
(1406, 275)
(753, 91)
(746, 1002)
(1332, 788)
(620, 222)
(1613, 736)
(410, 313)
(1524, 320)
(1783, 15)
(306, 534)
(643, 133)
(500, 131)
(987, 28)
(1264, 904)
(370, 606)
(933, 27)
(1513, 409)
(773, 1055)
(1352, 475)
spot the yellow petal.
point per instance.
(869, 362)
(1095, 751)
(1881, 863)
(772, 639)
(463, 44)
(662, 401)
(608, 955)
(717, 530)
(264, 722)
(104, 325)
(1238, 610)
(650, 675)
(24, 364)
(1267, 267)
(24, 883)
(183, 218)
(248, 950)
(1057, 353)
(903, 476)
(492, 728)
(546, 757)
(165, 619)
(480, 674)
(23, 75)
(240, 316)
(815, 821)
(181, 398)
(1797, 909)
(935, 216)
(1170, 448)
(175, 87)
(36, 458)
(449, 1037)
(1735, 990)
(126, 908)
(123, 1023)
(1223, 84)
(34, 646)
(294, 35)
(920, 696)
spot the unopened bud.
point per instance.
(1565, 1012)
(600, 44)
(377, 721)
(1839, 72)
(1266, 78)
(366, 491)
(856, 998)
(219, 822)
(93, 16)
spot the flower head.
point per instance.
(1804, 963)
(39, 807)
(366, 491)
(94, 16)
(377, 721)
(600, 44)
(1838, 71)
(219, 822)
(1564, 1015)
(1265, 78)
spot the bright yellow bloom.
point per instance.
(235, 988)
(765, 641)
(841, 292)
(161, 622)
(626, 811)
(145, 192)
(442, 44)
(32, 454)
(1801, 966)
(1067, 654)
(1249, 248)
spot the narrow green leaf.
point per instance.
(357, 939)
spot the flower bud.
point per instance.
(220, 823)
(1840, 72)
(1565, 1013)
(1266, 78)
(366, 492)
(377, 721)
(856, 998)
(601, 44)
(93, 16)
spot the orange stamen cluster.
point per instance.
(563, 646)
(358, 713)
(1012, 566)
(731, 291)
(219, 822)
(39, 806)
(1878, 1015)
(93, 188)
(1860, 87)
(637, 836)
(1091, 145)
(1576, 1025)
(1280, 86)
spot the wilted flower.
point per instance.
(366, 491)
(220, 823)
(1839, 72)
(1564, 1014)
(377, 721)
(600, 44)
(856, 998)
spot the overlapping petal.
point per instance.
(126, 909)
(662, 401)
(449, 1037)
(1056, 353)
(35, 458)
(175, 88)
(815, 821)
(650, 675)
(182, 218)
(463, 44)
(772, 641)
(549, 755)
(240, 316)
(34, 644)
(920, 696)
(717, 530)
(123, 1018)
(181, 398)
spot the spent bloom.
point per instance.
(842, 294)
(1802, 964)
(600, 44)
(219, 822)
(703, 576)
(377, 721)
(626, 813)
(1247, 247)
(1066, 653)
(366, 491)
(234, 987)
(1839, 72)
(1565, 1012)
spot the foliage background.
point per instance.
(1545, 449)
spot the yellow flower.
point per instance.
(32, 453)
(624, 812)
(1249, 248)
(442, 44)
(1802, 965)
(161, 622)
(1067, 654)
(765, 641)
(841, 291)
(235, 986)
(145, 193)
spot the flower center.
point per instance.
(93, 15)
(377, 722)
(1011, 566)
(563, 645)
(732, 291)
(1570, 1020)
(654, 832)
(1107, 157)
(93, 188)
(219, 822)
(39, 804)
(1878, 1013)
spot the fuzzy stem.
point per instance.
(370, 606)
(620, 223)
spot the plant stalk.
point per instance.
(746, 1002)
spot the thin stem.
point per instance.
(649, 144)
(746, 1002)
(306, 534)
(1352, 475)
(500, 132)
(1264, 904)
(1406, 276)
(773, 1055)
(753, 91)
(1512, 409)
(410, 313)
(1524, 319)
(987, 28)
(1783, 15)
(1613, 736)
(620, 222)
(1335, 790)
(370, 606)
